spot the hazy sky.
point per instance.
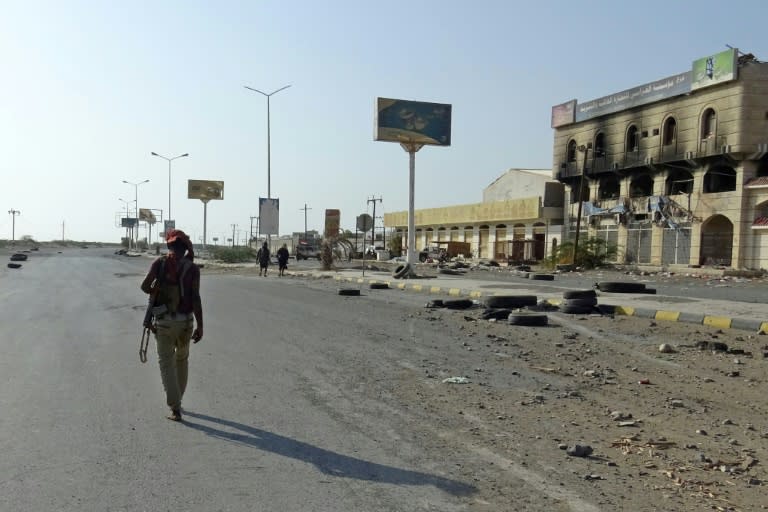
(90, 89)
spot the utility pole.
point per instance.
(373, 200)
(305, 220)
(585, 150)
(234, 226)
(14, 213)
(62, 231)
(251, 239)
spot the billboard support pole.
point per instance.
(205, 226)
(411, 148)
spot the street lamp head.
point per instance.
(154, 154)
(185, 154)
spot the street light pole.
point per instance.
(14, 213)
(136, 199)
(169, 175)
(269, 170)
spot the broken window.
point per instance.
(708, 122)
(600, 145)
(641, 186)
(609, 187)
(632, 139)
(571, 154)
(720, 179)
(679, 182)
(669, 133)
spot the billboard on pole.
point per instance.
(269, 216)
(332, 223)
(715, 69)
(412, 121)
(147, 215)
(205, 189)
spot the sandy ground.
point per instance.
(681, 430)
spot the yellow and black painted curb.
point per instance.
(721, 322)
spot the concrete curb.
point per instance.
(720, 322)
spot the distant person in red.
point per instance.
(282, 259)
(175, 281)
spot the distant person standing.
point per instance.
(263, 257)
(282, 260)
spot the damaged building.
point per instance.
(674, 172)
(519, 219)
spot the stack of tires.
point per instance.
(623, 287)
(508, 307)
(578, 302)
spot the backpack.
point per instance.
(170, 295)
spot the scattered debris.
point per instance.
(666, 348)
(579, 450)
(456, 380)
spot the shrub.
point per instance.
(232, 254)
(593, 252)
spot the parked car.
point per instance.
(305, 251)
(433, 253)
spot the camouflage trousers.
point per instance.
(173, 338)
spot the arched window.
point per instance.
(599, 145)
(669, 132)
(708, 124)
(632, 139)
(571, 154)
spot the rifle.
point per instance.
(148, 326)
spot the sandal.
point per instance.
(174, 415)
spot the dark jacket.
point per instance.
(263, 256)
(282, 255)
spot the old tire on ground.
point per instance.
(576, 310)
(497, 313)
(436, 303)
(579, 294)
(379, 286)
(510, 301)
(582, 302)
(526, 318)
(19, 257)
(401, 271)
(651, 291)
(349, 292)
(450, 272)
(457, 304)
(14, 265)
(621, 287)
(541, 277)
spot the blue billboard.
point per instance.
(413, 121)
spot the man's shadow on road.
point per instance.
(330, 463)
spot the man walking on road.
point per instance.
(282, 259)
(263, 256)
(175, 281)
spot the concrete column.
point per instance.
(622, 234)
(657, 233)
(698, 187)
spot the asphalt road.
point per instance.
(272, 421)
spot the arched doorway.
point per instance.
(501, 242)
(539, 240)
(716, 241)
(482, 249)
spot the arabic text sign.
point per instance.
(269, 216)
(412, 121)
(674, 85)
(205, 189)
(563, 114)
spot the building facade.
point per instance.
(520, 218)
(674, 172)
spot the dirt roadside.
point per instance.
(683, 430)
